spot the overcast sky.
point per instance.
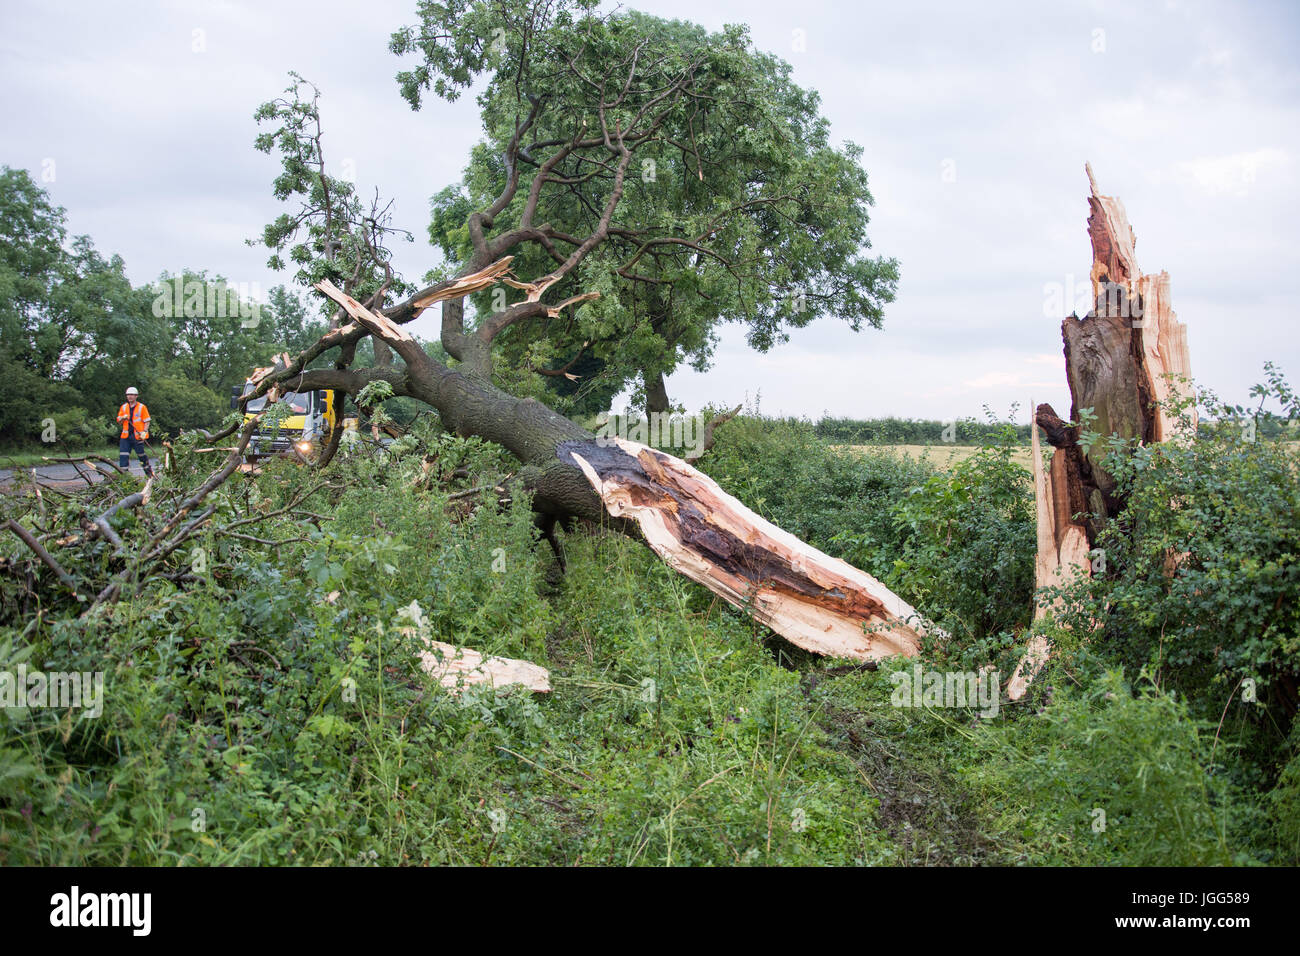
(976, 120)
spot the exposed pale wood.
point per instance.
(456, 667)
(1165, 354)
(815, 601)
(555, 310)
(1113, 240)
(1062, 551)
(1037, 652)
(533, 290)
(474, 282)
(1157, 353)
(1062, 541)
(277, 362)
(376, 322)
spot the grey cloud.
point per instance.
(154, 160)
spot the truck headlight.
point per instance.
(303, 446)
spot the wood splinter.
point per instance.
(457, 667)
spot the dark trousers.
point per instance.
(124, 449)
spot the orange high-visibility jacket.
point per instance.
(139, 418)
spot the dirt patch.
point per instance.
(922, 806)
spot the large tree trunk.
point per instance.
(815, 601)
(656, 393)
(1125, 360)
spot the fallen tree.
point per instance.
(815, 601)
(584, 114)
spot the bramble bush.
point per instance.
(1107, 774)
(961, 548)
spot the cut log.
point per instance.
(1123, 360)
(457, 667)
(813, 600)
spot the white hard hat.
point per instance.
(133, 391)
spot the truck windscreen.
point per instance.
(298, 403)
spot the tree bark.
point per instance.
(656, 393)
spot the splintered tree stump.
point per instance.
(1124, 360)
(1127, 357)
(815, 601)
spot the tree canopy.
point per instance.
(679, 174)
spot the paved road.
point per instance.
(63, 476)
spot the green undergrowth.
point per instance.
(273, 709)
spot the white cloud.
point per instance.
(998, 379)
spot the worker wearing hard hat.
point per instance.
(134, 418)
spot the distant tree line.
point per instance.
(968, 431)
(911, 431)
(75, 333)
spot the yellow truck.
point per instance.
(303, 432)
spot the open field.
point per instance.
(945, 456)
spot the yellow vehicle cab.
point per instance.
(304, 430)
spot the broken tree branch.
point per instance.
(709, 429)
(454, 667)
(46, 558)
